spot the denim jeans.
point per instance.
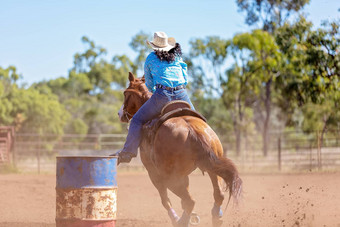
(150, 110)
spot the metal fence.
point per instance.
(37, 152)
(289, 151)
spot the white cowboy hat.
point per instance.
(162, 42)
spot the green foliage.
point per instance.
(29, 110)
(86, 60)
(320, 116)
(214, 51)
(322, 50)
(310, 76)
(77, 126)
(257, 54)
(7, 79)
(212, 48)
(293, 77)
(122, 66)
(273, 74)
(139, 45)
(43, 114)
(88, 93)
(249, 86)
(269, 14)
(285, 77)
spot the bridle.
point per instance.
(125, 112)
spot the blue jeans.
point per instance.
(150, 110)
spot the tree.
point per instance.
(319, 117)
(139, 45)
(311, 69)
(91, 93)
(250, 81)
(256, 62)
(84, 61)
(8, 77)
(28, 109)
(206, 65)
(237, 99)
(122, 66)
(323, 56)
(42, 114)
(269, 14)
(211, 50)
(101, 73)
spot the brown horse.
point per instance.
(182, 144)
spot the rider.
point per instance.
(165, 76)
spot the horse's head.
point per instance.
(134, 97)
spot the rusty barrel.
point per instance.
(86, 191)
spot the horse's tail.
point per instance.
(208, 160)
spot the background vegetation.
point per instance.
(282, 75)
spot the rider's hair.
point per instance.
(170, 55)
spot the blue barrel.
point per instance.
(86, 191)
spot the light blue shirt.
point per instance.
(168, 74)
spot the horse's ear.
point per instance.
(143, 78)
(131, 76)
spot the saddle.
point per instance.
(173, 109)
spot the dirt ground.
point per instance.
(269, 200)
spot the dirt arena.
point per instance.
(269, 200)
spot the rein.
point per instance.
(127, 114)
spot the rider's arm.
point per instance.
(148, 77)
(184, 71)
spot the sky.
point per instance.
(41, 37)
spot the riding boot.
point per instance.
(123, 156)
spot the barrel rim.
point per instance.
(84, 219)
(86, 156)
(87, 187)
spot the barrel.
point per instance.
(86, 191)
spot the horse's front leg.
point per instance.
(158, 182)
(163, 192)
(180, 188)
(216, 211)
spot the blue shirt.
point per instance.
(168, 74)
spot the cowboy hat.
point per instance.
(162, 42)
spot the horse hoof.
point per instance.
(216, 212)
(216, 222)
(194, 219)
(173, 216)
(184, 220)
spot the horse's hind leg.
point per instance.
(216, 211)
(163, 192)
(180, 187)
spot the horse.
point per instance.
(180, 145)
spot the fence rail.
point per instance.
(287, 151)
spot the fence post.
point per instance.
(14, 153)
(279, 153)
(319, 151)
(310, 157)
(38, 155)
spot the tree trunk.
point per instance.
(239, 125)
(265, 136)
(324, 128)
(238, 142)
